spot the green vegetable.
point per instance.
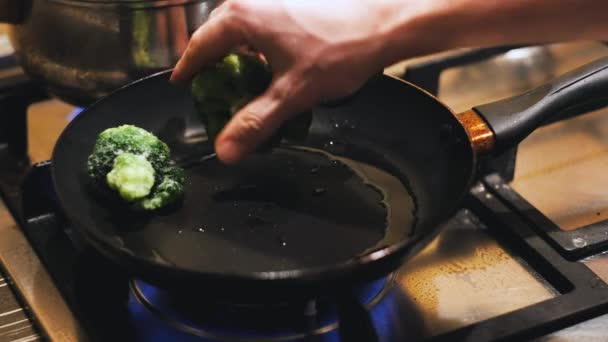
(221, 90)
(125, 139)
(137, 166)
(132, 176)
(169, 190)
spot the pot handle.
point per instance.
(578, 91)
(13, 11)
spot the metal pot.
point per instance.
(83, 49)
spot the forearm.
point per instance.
(446, 24)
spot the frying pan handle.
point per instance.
(579, 91)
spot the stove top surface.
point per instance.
(514, 263)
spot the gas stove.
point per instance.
(523, 259)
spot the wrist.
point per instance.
(416, 28)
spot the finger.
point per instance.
(246, 50)
(255, 123)
(208, 44)
(216, 10)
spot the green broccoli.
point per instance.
(125, 139)
(221, 90)
(136, 164)
(132, 176)
(169, 190)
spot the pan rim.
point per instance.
(400, 250)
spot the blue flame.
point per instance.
(75, 113)
(152, 328)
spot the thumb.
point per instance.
(255, 123)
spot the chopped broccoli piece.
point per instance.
(170, 189)
(221, 90)
(136, 164)
(132, 176)
(125, 139)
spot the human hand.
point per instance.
(321, 50)
(318, 50)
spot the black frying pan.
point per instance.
(295, 222)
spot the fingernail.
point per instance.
(175, 73)
(173, 78)
(178, 81)
(229, 151)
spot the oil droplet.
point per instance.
(282, 241)
(201, 230)
(319, 191)
(180, 231)
(336, 125)
(222, 229)
(348, 124)
(315, 169)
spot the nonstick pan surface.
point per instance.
(367, 188)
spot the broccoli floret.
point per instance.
(132, 176)
(126, 139)
(221, 90)
(169, 190)
(137, 165)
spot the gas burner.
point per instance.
(185, 317)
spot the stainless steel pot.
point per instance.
(83, 49)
